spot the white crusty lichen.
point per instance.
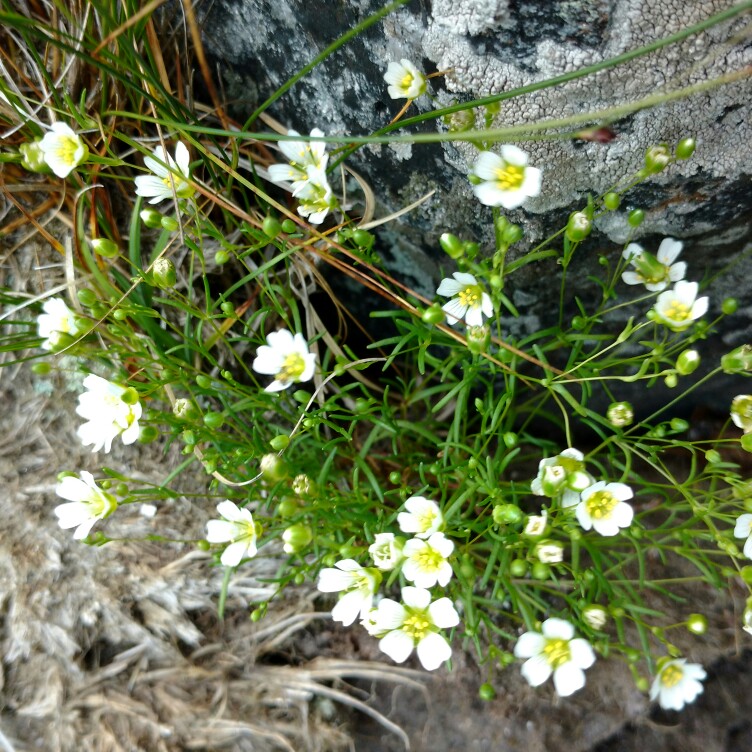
(719, 120)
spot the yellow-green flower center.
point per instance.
(671, 676)
(510, 177)
(407, 81)
(429, 559)
(425, 520)
(102, 504)
(417, 626)
(292, 367)
(557, 652)
(470, 296)
(601, 505)
(66, 149)
(677, 311)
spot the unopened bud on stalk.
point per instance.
(296, 538)
(620, 414)
(478, 338)
(273, 467)
(687, 362)
(164, 273)
(657, 158)
(578, 227)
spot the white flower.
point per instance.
(287, 358)
(386, 551)
(426, 560)
(743, 529)
(63, 149)
(55, 323)
(603, 507)
(469, 300)
(655, 272)
(416, 623)
(236, 528)
(549, 552)
(423, 517)
(405, 80)
(595, 616)
(88, 503)
(564, 474)
(536, 525)
(358, 585)
(315, 197)
(507, 180)
(107, 414)
(677, 684)
(167, 172)
(555, 652)
(678, 308)
(741, 411)
(307, 159)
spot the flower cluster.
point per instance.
(416, 621)
(678, 307)
(304, 175)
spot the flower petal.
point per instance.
(433, 650)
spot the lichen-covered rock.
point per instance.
(492, 46)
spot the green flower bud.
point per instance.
(188, 437)
(478, 338)
(507, 514)
(278, 443)
(221, 258)
(433, 315)
(657, 158)
(738, 360)
(288, 506)
(460, 121)
(301, 395)
(164, 273)
(685, 148)
(104, 247)
(364, 239)
(41, 369)
(512, 234)
(214, 420)
(729, 306)
(510, 439)
(671, 380)
(273, 467)
(184, 409)
(518, 567)
(636, 217)
(486, 692)
(679, 425)
(687, 362)
(32, 157)
(540, 571)
(746, 442)
(578, 226)
(58, 341)
(151, 218)
(395, 477)
(169, 223)
(712, 456)
(612, 201)
(296, 538)
(148, 434)
(288, 226)
(271, 227)
(452, 245)
(203, 381)
(130, 396)
(87, 297)
(620, 414)
(697, 624)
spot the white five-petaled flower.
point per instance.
(564, 474)
(63, 149)
(108, 415)
(743, 529)
(506, 180)
(536, 525)
(469, 300)
(168, 172)
(655, 272)
(405, 80)
(386, 551)
(426, 562)
(57, 324)
(603, 507)
(87, 504)
(236, 528)
(679, 307)
(286, 357)
(423, 517)
(677, 684)
(315, 197)
(741, 411)
(415, 623)
(555, 651)
(358, 585)
(307, 159)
